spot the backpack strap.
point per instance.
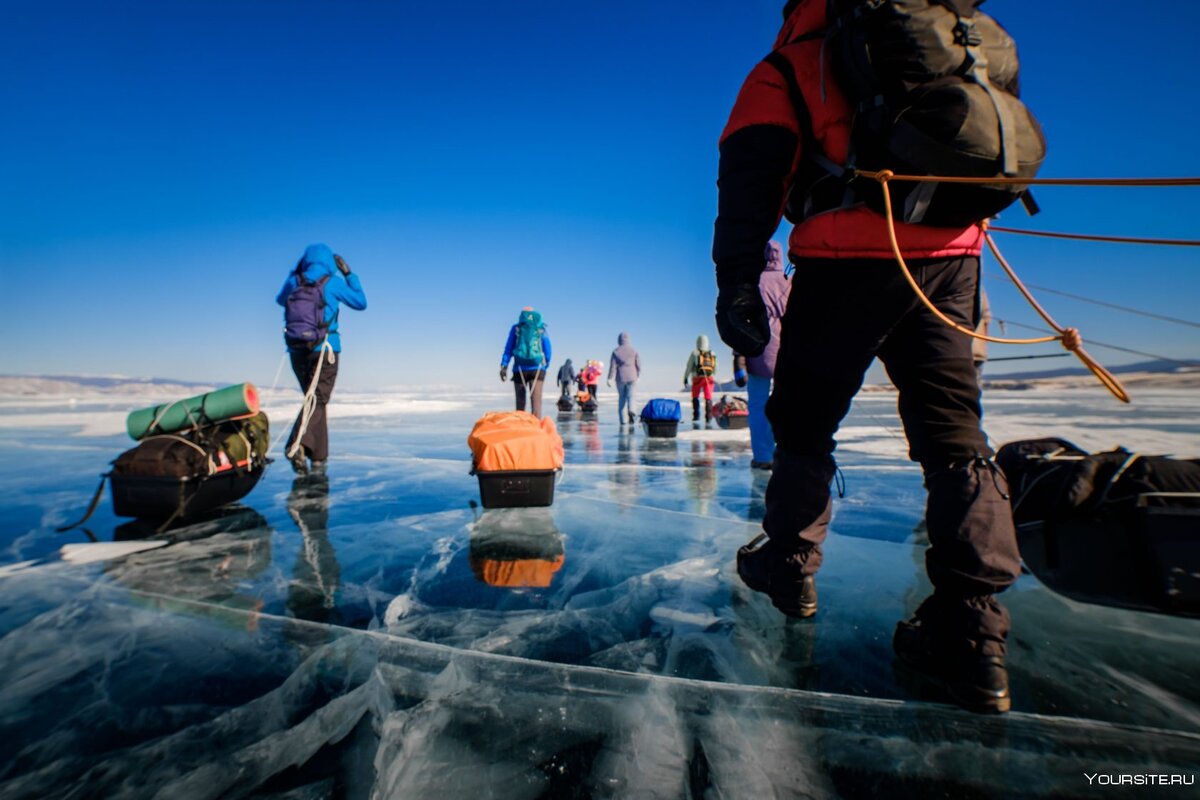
(331, 325)
(811, 152)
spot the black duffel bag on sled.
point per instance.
(178, 476)
(1116, 527)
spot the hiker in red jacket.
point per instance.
(849, 305)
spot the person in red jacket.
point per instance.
(849, 305)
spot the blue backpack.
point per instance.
(305, 327)
(528, 348)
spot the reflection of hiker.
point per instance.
(774, 287)
(979, 346)
(566, 378)
(310, 298)
(850, 304)
(528, 347)
(589, 377)
(701, 367)
(312, 592)
(626, 366)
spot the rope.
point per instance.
(1026, 358)
(887, 175)
(1088, 237)
(279, 371)
(1156, 356)
(1068, 336)
(309, 405)
(1126, 309)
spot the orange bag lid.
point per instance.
(515, 440)
(535, 572)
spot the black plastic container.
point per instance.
(1147, 561)
(157, 498)
(516, 488)
(661, 428)
(734, 421)
(1173, 537)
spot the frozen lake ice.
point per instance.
(373, 633)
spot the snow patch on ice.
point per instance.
(89, 552)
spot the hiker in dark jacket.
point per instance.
(566, 378)
(339, 286)
(626, 366)
(528, 348)
(851, 304)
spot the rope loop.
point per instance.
(1069, 337)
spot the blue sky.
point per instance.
(166, 163)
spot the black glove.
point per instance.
(342, 265)
(742, 319)
(504, 373)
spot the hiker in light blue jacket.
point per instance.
(528, 348)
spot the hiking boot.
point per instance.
(764, 570)
(318, 467)
(298, 462)
(971, 679)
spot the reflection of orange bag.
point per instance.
(534, 572)
(515, 440)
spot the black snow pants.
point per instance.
(316, 436)
(842, 314)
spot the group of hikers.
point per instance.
(797, 130)
(528, 351)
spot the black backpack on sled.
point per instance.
(1115, 528)
(934, 87)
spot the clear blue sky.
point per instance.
(166, 163)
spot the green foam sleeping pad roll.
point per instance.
(203, 409)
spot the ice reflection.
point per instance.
(312, 592)
(516, 548)
(211, 561)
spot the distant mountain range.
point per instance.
(1172, 372)
(1142, 367)
(39, 385)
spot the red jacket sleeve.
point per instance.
(760, 148)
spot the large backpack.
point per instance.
(706, 364)
(934, 88)
(528, 348)
(305, 326)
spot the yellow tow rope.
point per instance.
(1069, 337)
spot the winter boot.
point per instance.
(779, 576)
(970, 673)
(299, 462)
(695, 409)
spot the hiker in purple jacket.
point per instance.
(626, 366)
(774, 287)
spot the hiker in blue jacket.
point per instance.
(314, 344)
(528, 348)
